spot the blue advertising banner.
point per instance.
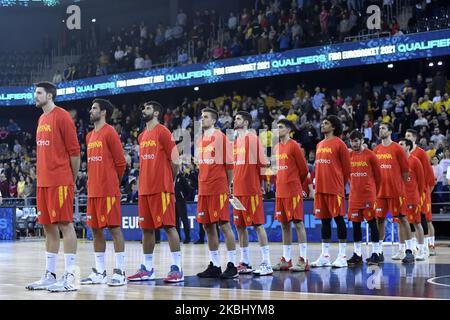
(7, 223)
(381, 50)
(130, 225)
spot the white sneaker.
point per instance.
(264, 269)
(322, 261)
(46, 281)
(420, 256)
(118, 278)
(95, 278)
(340, 262)
(65, 284)
(400, 255)
(427, 251)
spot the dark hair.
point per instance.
(48, 87)
(407, 142)
(212, 111)
(156, 107)
(105, 105)
(389, 125)
(356, 134)
(336, 123)
(286, 123)
(413, 132)
(247, 117)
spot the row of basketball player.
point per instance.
(388, 179)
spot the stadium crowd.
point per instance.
(424, 106)
(270, 26)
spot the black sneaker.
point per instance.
(210, 272)
(374, 259)
(231, 272)
(355, 260)
(409, 257)
(380, 258)
(199, 242)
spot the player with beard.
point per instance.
(159, 164)
(391, 196)
(249, 161)
(426, 214)
(105, 157)
(364, 184)
(332, 173)
(57, 165)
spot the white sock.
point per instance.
(414, 242)
(244, 255)
(176, 259)
(99, 261)
(50, 262)
(232, 256)
(426, 241)
(69, 262)
(432, 241)
(303, 249)
(265, 254)
(120, 260)
(148, 261)
(376, 248)
(287, 252)
(214, 256)
(325, 247)
(421, 248)
(402, 247)
(408, 244)
(357, 248)
(342, 248)
(381, 245)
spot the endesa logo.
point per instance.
(359, 174)
(43, 143)
(148, 156)
(95, 159)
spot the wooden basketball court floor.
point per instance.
(23, 261)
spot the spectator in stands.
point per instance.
(13, 187)
(57, 77)
(182, 18)
(263, 43)
(4, 185)
(132, 196)
(182, 57)
(138, 62)
(439, 179)
(20, 186)
(324, 20)
(420, 121)
(437, 138)
(232, 22)
(317, 99)
(147, 62)
(439, 82)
